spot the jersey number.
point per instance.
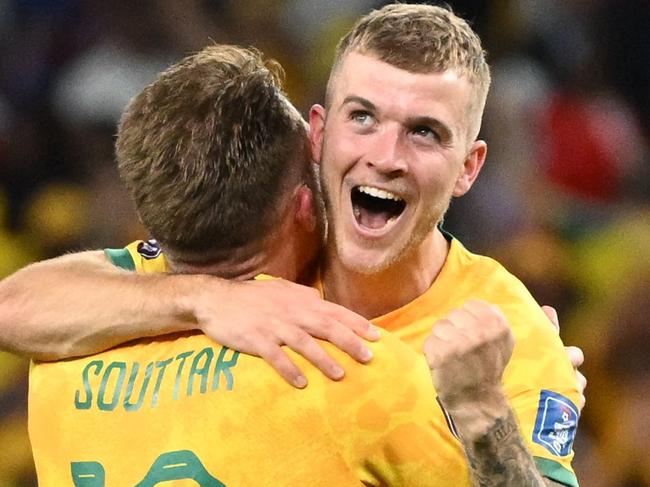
(175, 465)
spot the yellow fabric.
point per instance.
(539, 361)
(379, 426)
(233, 414)
(156, 265)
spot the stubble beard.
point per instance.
(335, 241)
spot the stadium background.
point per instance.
(563, 200)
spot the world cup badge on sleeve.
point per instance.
(556, 423)
(149, 249)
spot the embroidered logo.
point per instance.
(556, 423)
(149, 249)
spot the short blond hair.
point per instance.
(419, 39)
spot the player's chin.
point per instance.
(366, 259)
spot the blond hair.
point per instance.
(419, 39)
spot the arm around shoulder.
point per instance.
(79, 304)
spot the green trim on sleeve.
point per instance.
(554, 471)
(120, 258)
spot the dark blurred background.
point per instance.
(563, 200)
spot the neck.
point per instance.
(280, 255)
(239, 269)
(373, 295)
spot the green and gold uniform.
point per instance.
(182, 407)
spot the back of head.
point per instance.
(209, 150)
(419, 39)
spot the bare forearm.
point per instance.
(499, 457)
(467, 353)
(80, 304)
(495, 450)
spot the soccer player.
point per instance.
(395, 141)
(181, 407)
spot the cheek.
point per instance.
(340, 159)
(434, 181)
(435, 187)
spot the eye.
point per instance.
(362, 118)
(425, 132)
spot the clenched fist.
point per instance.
(467, 353)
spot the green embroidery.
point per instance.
(175, 465)
(88, 474)
(110, 387)
(98, 364)
(223, 367)
(120, 258)
(179, 465)
(101, 402)
(129, 387)
(554, 471)
(206, 355)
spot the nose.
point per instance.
(387, 153)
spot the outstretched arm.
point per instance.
(80, 304)
(467, 353)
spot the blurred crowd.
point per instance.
(563, 201)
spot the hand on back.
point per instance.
(259, 317)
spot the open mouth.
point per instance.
(375, 208)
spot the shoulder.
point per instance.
(495, 284)
(143, 256)
(482, 267)
(394, 384)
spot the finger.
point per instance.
(469, 326)
(358, 324)
(281, 362)
(582, 382)
(444, 330)
(305, 345)
(461, 318)
(430, 346)
(576, 356)
(344, 339)
(551, 314)
(484, 313)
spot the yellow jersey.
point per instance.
(380, 426)
(182, 410)
(539, 380)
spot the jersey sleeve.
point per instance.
(121, 258)
(144, 256)
(542, 387)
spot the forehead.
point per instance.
(445, 95)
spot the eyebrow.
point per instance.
(367, 104)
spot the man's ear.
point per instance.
(316, 130)
(304, 209)
(471, 167)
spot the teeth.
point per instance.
(378, 193)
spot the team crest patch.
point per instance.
(556, 424)
(149, 249)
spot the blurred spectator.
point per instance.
(563, 200)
